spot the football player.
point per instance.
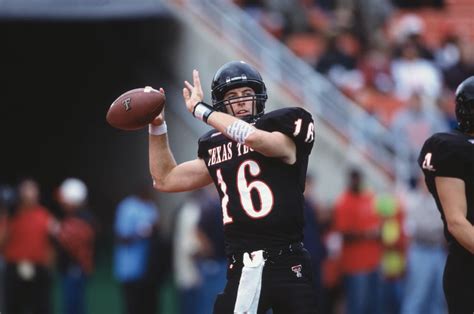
(447, 160)
(258, 162)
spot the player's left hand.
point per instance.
(193, 94)
(161, 117)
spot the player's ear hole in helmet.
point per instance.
(237, 74)
(464, 99)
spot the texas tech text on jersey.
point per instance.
(224, 152)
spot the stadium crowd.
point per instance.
(399, 257)
(371, 50)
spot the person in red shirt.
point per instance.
(28, 253)
(357, 220)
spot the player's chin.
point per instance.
(242, 115)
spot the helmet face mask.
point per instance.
(234, 75)
(227, 105)
(465, 105)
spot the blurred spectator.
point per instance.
(3, 232)
(331, 270)
(340, 62)
(446, 105)
(330, 265)
(375, 67)
(29, 253)
(456, 73)
(75, 245)
(185, 247)
(358, 222)
(369, 19)
(136, 224)
(6, 199)
(412, 73)
(449, 53)
(211, 258)
(272, 21)
(426, 255)
(312, 233)
(343, 51)
(419, 3)
(410, 29)
(309, 45)
(411, 126)
(394, 242)
(294, 14)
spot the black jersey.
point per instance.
(449, 155)
(261, 197)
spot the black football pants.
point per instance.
(458, 283)
(287, 286)
(140, 297)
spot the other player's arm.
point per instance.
(167, 175)
(270, 144)
(452, 195)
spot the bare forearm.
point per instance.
(161, 159)
(170, 177)
(220, 121)
(270, 144)
(463, 231)
(452, 195)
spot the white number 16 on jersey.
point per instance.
(244, 188)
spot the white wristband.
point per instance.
(157, 129)
(202, 111)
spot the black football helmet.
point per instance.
(465, 105)
(237, 74)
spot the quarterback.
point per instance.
(257, 162)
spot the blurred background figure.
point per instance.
(412, 125)
(463, 66)
(357, 220)
(393, 260)
(332, 291)
(7, 195)
(185, 249)
(29, 253)
(426, 254)
(428, 79)
(211, 258)
(75, 239)
(136, 227)
(312, 233)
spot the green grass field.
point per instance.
(104, 296)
